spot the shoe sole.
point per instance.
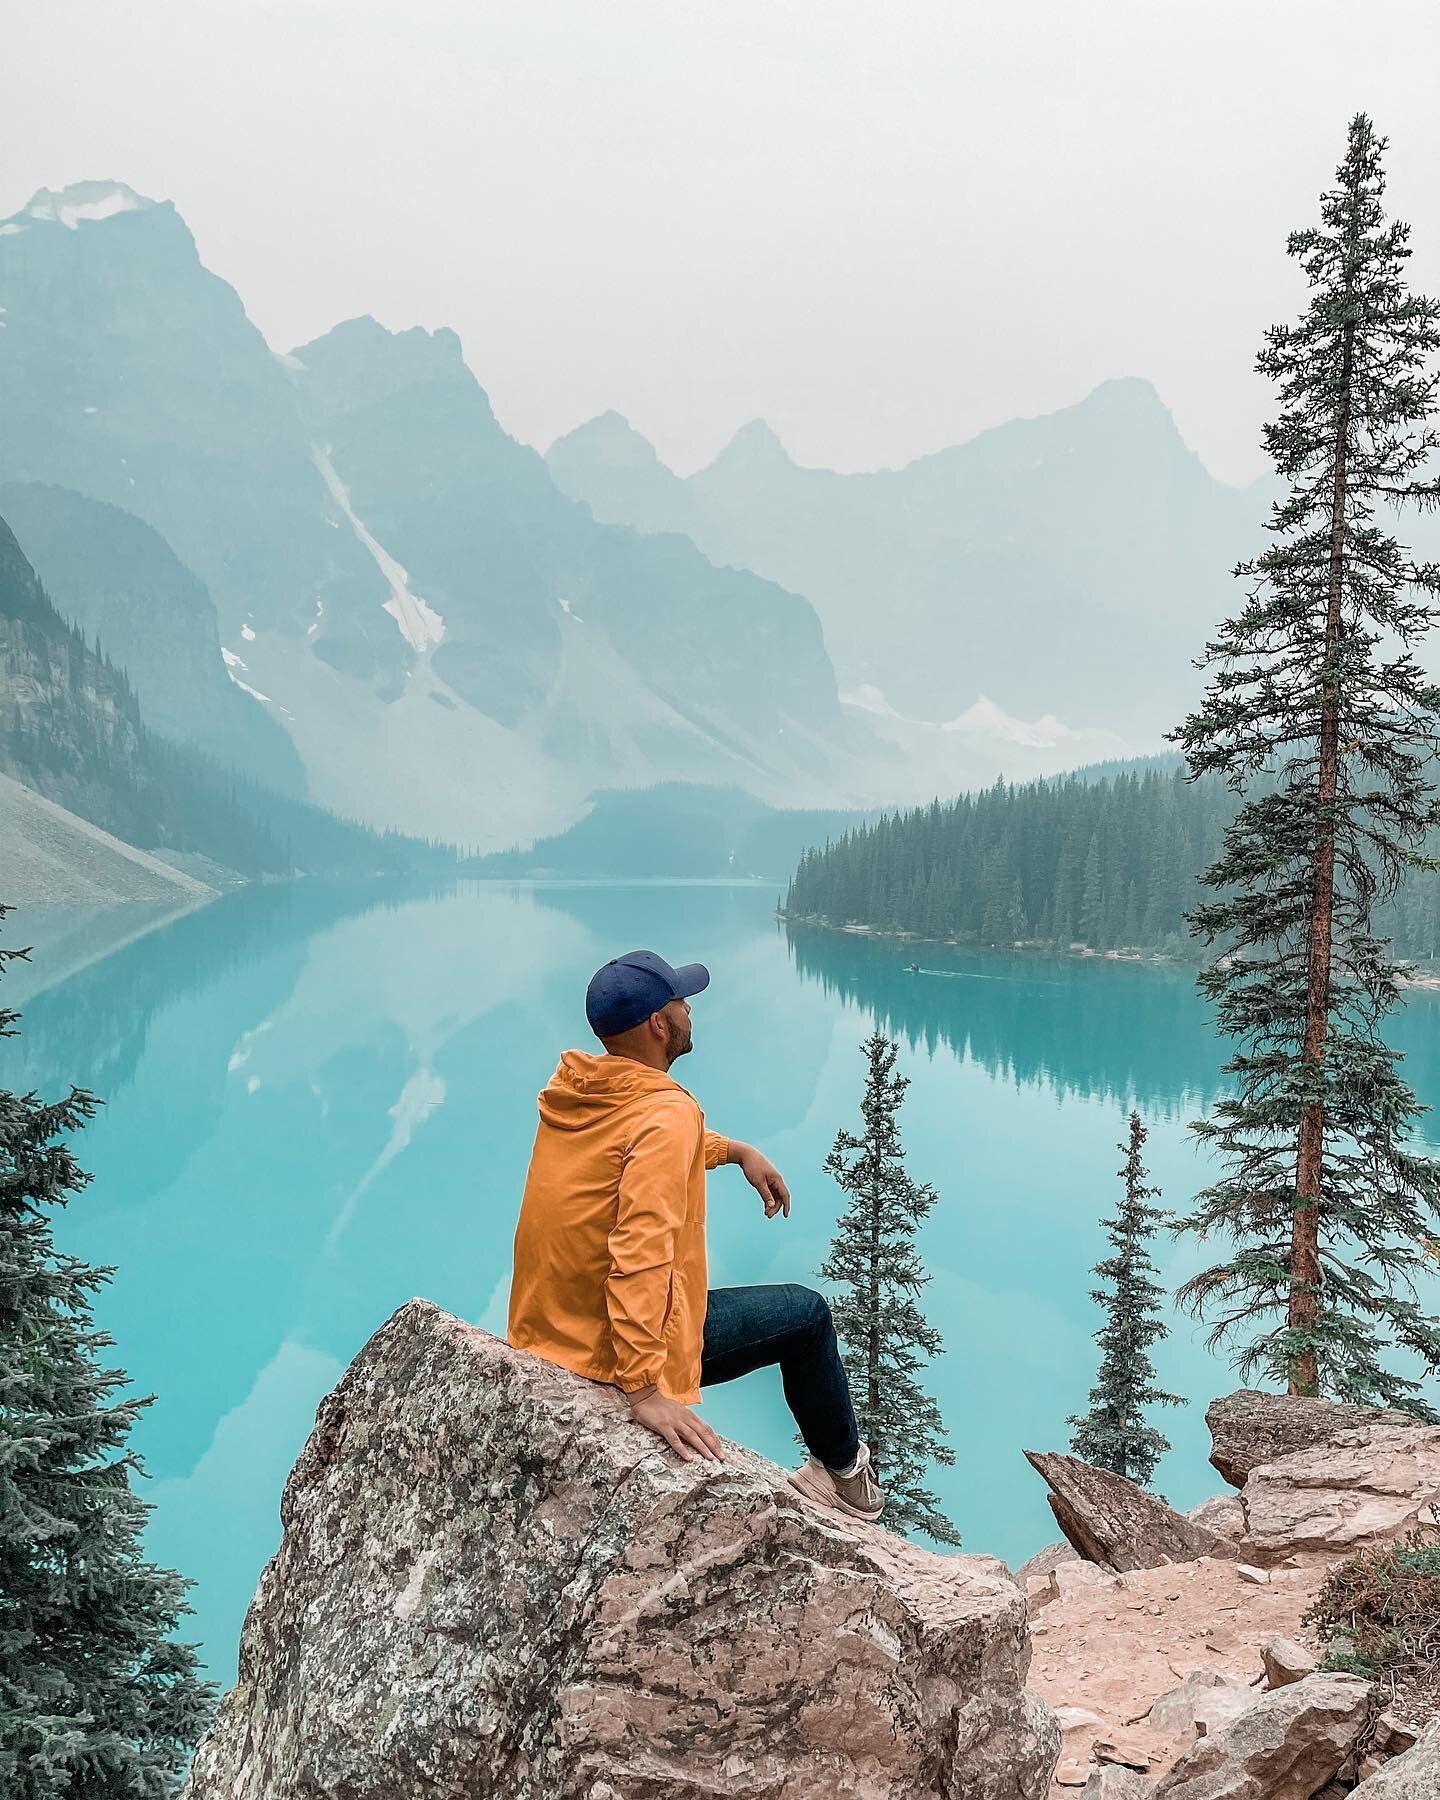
(814, 1487)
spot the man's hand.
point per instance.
(764, 1177)
(681, 1429)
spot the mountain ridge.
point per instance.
(1037, 562)
(279, 478)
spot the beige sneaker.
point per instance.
(858, 1496)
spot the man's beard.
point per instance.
(678, 1039)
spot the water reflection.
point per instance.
(1086, 1028)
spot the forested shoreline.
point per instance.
(1102, 865)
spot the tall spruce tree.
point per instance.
(1319, 717)
(1114, 1434)
(97, 1702)
(884, 1335)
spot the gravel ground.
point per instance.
(50, 857)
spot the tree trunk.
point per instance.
(1305, 1270)
(872, 1348)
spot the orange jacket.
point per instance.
(610, 1276)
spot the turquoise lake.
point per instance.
(320, 1101)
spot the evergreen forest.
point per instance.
(1107, 864)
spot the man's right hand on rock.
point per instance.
(686, 1434)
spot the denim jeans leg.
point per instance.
(749, 1328)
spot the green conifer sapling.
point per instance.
(1115, 1434)
(885, 1337)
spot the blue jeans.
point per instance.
(752, 1327)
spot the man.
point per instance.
(610, 1277)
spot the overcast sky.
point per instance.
(881, 227)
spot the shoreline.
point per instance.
(1420, 980)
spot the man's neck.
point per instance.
(659, 1061)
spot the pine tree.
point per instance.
(884, 1334)
(1114, 1433)
(1319, 717)
(96, 1700)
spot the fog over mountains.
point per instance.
(332, 569)
(1043, 565)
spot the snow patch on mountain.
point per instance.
(420, 625)
(982, 719)
(232, 663)
(987, 719)
(84, 203)
(980, 744)
(866, 697)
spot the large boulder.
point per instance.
(1111, 1521)
(1413, 1775)
(493, 1583)
(1249, 1428)
(1288, 1746)
(1364, 1487)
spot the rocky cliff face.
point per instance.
(69, 723)
(491, 1583)
(117, 581)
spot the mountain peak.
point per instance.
(753, 445)
(82, 203)
(609, 438)
(1131, 395)
(366, 334)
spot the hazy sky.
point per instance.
(881, 227)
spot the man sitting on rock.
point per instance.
(610, 1274)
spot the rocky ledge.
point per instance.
(492, 1585)
(1174, 1649)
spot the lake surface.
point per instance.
(320, 1101)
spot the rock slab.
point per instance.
(1288, 1746)
(1112, 1781)
(1250, 1428)
(1204, 1699)
(1285, 1661)
(492, 1582)
(1044, 1561)
(1413, 1775)
(1221, 1513)
(1365, 1486)
(1111, 1521)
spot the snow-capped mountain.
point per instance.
(453, 645)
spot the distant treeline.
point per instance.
(1109, 864)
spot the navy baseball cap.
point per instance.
(631, 987)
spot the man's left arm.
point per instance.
(759, 1171)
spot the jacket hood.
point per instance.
(586, 1089)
